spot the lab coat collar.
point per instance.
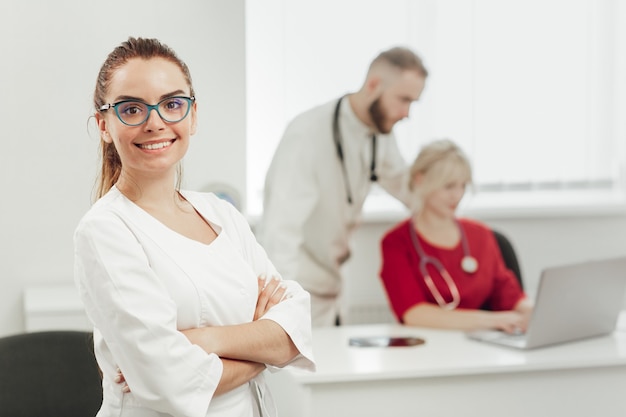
(351, 122)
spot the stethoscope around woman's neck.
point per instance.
(469, 264)
(339, 146)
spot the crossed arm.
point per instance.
(245, 348)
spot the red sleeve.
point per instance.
(506, 291)
(400, 271)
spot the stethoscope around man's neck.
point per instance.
(339, 146)
(469, 264)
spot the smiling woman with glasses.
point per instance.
(187, 309)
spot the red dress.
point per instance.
(491, 287)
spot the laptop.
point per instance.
(573, 302)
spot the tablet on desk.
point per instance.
(385, 341)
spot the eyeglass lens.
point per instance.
(173, 109)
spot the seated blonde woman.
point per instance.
(443, 271)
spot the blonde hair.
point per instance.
(438, 162)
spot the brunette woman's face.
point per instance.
(154, 147)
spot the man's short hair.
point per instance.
(401, 58)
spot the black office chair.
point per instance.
(49, 374)
(509, 256)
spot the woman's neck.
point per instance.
(439, 230)
(149, 193)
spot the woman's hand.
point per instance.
(512, 322)
(119, 378)
(271, 292)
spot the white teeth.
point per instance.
(153, 146)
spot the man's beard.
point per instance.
(379, 117)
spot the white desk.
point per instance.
(452, 376)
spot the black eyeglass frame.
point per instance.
(150, 107)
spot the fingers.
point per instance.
(261, 283)
(119, 378)
(510, 322)
(513, 329)
(271, 292)
(268, 288)
(268, 292)
(516, 325)
(277, 296)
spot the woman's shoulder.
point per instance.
(105, 206)
(399, 231)
(208, 200)
(111, 211)
(213, 208)
(474, 225)
(476, 228)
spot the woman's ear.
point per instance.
(417, 180)
(102, 128)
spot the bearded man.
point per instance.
(323, 169)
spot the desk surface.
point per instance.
(447, 353)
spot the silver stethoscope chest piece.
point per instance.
(469, 264)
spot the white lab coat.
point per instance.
(307, 221)
(141, 282)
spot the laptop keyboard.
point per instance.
(517, 340)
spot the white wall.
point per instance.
(51, 53)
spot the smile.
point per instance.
(155, 146)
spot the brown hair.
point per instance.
(402, 59)
(132, 48)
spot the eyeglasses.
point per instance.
(135, 113)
